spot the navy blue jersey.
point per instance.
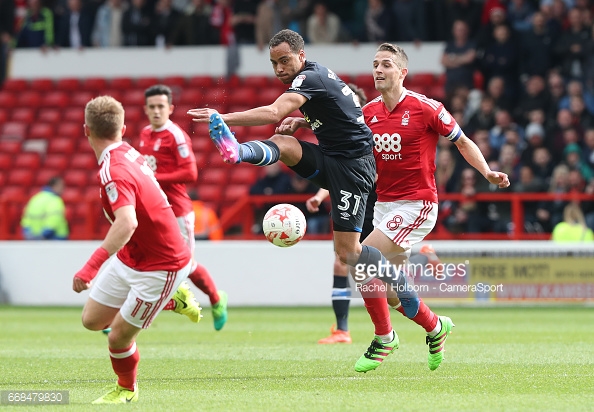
(332, 112)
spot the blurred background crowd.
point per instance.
(518, 74)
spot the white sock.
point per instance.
(436, 330)
(387, 338)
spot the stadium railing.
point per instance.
(237, 219)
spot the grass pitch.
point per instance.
(267, 359)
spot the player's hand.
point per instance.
(78, 285)
(288, 126)
(498, 178)
(201, 115)
(313, 204)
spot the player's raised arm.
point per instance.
(284, 105)
(475, 158)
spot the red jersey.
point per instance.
(405, 142)
(165, 149)
(126, 179)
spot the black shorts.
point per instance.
(349, 182)
(368, 220)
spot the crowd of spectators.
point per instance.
(519, 73)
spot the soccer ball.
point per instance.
(284, 225)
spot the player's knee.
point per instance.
(340, 268)
(92, 324)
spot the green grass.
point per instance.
(265, 359)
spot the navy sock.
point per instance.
(341, 297)
(259, 153)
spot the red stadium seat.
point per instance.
(264, 131)
(174, 81)
(243, 95)
(200, 131)
(3, 115)
(215, 160)
(134, 114)
(202, 144)
(267, 96)
(95, 84)
(192, 97)
(244, 175)
(43, 176)
(479, 80)
(23, 114)
(214, 176)
(257, 82)
(9, 146)
(436, 92)
(121, 83)
(133, 98)
(42, 85)
(85, 161)
(22, 177)
(64, 145)
(69, 84)
(80, 98)
(5, 161)
(71, 194)
(55, 99)
(13, 130)
(200, 160)
(7, 99)
(75, 114)
(76, 178)
(422, 80)
(49, 115)
(201, 82)
(345, 78)
(41, 131)
(216, 96)
(233, 192)
(27, 160)
(70, 130)
(364, 80)
(56, 161)
(145, 82)
(15, 192)
(30, 99)
(210, 193)
(15, 85)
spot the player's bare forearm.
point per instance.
(186, 173)
(121, 230)
(473, 155)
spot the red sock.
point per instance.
(170, 305)
(374, 296)
(125, 364)
(201, 278)
(424, 317)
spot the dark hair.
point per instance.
(54, 181)
(158, 90)
(292, 38)
(360, 94)
(400, 57)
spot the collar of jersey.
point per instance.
(164, 127)
(108, 149)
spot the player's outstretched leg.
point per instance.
(376, 353)
(185, 304)
(118, 395)
(223, 139)
(437, 343)
(219, 311)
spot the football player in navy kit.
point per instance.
(342, 162)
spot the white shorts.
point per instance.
(186, 227)
(406, 222)
(140, 296)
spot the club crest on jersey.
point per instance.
(298, 81)
(112, 191)
(444, 116)
(183, 151)
(157, 145)
(405, 118)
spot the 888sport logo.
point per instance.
(389, 145)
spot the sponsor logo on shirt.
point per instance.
(331, 75)
(112, 191)
(298, 81)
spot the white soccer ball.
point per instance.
(284, 225)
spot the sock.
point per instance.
(170, 305)
(387, 338)
(201, 278)
(125, 364)
(409, 299)
(259, 153)
(436, 329)
(374, 294)
(341, 297)
(424, 318)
